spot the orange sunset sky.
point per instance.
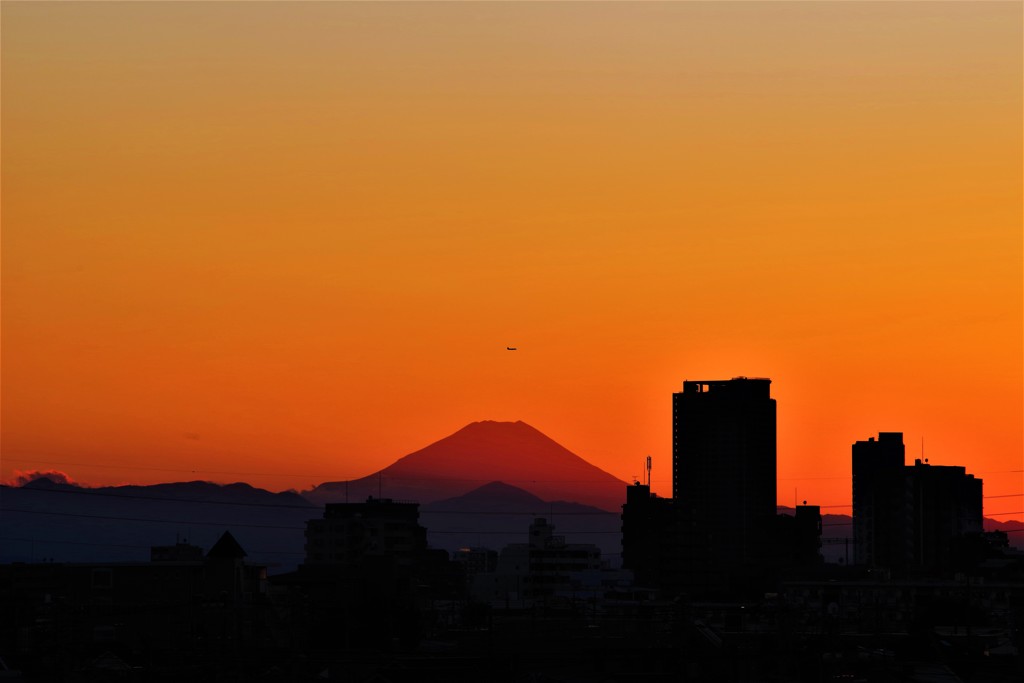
(289, 242)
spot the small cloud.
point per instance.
(192, 435)
(24, 477)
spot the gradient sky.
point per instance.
(289, 243)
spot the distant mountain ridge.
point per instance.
(44, 519)
(495, 495)
(476, 455)
(497, 514)
(197, 490)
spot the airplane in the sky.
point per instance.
(510, 348)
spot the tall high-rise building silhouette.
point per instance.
(909, 518)
(723, 473)
(881, 511)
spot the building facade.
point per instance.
(350, 532)
(909, 519)
(947, 505)
(881, 508)
(650, 539)
(723, 474)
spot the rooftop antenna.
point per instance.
(648, 471)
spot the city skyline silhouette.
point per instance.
(372, 590)
(45, 518)
(514, 342)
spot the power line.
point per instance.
(311, 507)
(315, 508)
(560, 532)
(47, 541)
(339, 478)
(347, 480)
(295, 528)
(542, 513)
(89, 492)
(94, 465)
(332, 478)
(157, 521)
(850, 505)
(91, 465)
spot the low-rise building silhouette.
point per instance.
(546, 570)
(798, 537)
(476, 560)
(369, 580)
(379, 527)
(180, 607)
(651, 539)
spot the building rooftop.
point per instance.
(737, 386)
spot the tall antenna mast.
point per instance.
(648, 471)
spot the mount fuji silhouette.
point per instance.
(478, 454)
